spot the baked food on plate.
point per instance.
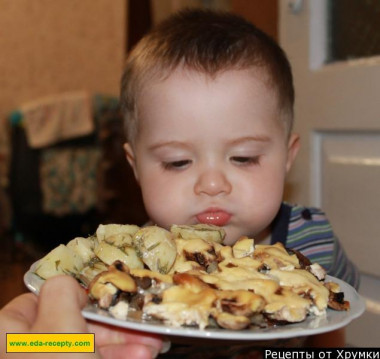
(187, 277)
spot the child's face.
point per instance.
(212, 151)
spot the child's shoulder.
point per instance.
(307, 213)
(302, 218)
(310, 231)
(297, 218)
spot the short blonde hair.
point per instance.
(209, 42)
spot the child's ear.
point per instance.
(294, 145)
(130, 155)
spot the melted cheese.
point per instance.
(182, 306)
(302, 282)
(275, 256)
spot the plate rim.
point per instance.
(357, 308)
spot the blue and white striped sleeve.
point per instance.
(341, 266)
(311, 233)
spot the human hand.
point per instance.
(58, 310)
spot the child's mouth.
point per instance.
(215, 217)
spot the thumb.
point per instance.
(59, 307)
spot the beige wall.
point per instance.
(264, 14)
(162, 8)
(51, 46)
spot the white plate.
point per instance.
(312, 325)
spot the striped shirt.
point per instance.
(308, 230)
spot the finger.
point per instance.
(60, 302)
(107, 334)
(21, 312)
(135, 351)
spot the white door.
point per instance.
(338, 169)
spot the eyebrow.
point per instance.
(259, 138)
(178, 144)
(168, 144)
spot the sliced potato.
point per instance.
(109, 254)
(61, 260)
(207, 232)
(156, 248)
(118, 235)
(83, 247)
(88, 273)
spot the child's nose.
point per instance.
(212, 182)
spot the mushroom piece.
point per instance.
(231, 321)
(337, 302)
(145, 278)
(146, 273)
(336, 297)
(197, 250)
(303, 260)
(107, 284)
(240, 302)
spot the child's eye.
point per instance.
(245, 161)
(176, 165)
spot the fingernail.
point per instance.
(166, 344)
(153, 351)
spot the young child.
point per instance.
(208, 105)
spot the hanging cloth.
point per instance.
(53, 119)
